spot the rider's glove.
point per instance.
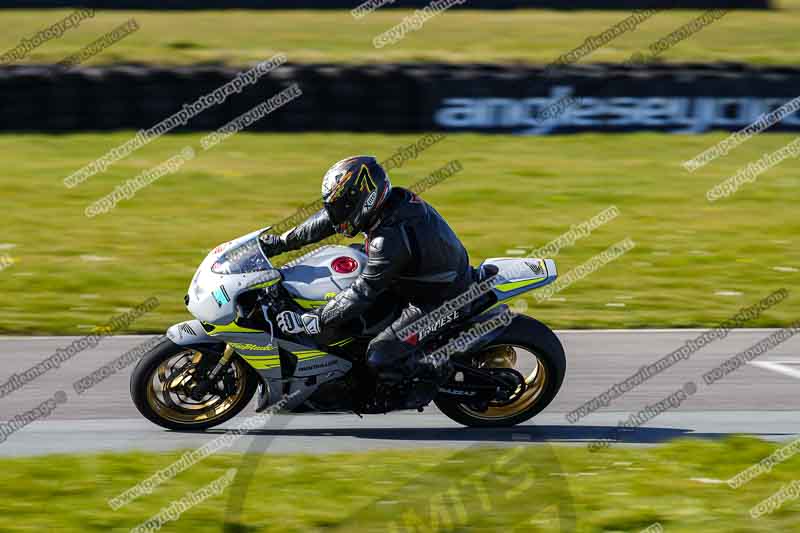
(291, 322)
(272, 244)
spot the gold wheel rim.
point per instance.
(506, 357)
(167, 396)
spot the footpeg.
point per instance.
(263, 397)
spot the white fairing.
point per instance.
(212, 295)
(239, 265)
(314, 278)
(518, 275)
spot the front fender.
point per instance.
(191, 333)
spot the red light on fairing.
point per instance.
(344, 265)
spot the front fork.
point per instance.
(226, 357)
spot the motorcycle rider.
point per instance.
(412, 253)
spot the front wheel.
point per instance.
(169, 387)
(529, 347)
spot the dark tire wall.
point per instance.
(384, 98)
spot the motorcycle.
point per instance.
(206, 370)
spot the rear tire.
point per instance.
(145, 397)
(533, 336)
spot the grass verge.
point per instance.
(680, 485)
(534, 36)
(695, 263)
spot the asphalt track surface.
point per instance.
(762, 399)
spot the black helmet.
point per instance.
(353, 191)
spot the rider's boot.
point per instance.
(412, 385)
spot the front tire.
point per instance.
(161, 386)
(524, 334)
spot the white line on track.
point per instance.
(781, 367)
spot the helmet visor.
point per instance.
(338, 211)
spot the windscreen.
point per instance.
(242, 259)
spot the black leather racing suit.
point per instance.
(413, 254)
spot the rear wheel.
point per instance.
(169, 387)
(529, 347)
